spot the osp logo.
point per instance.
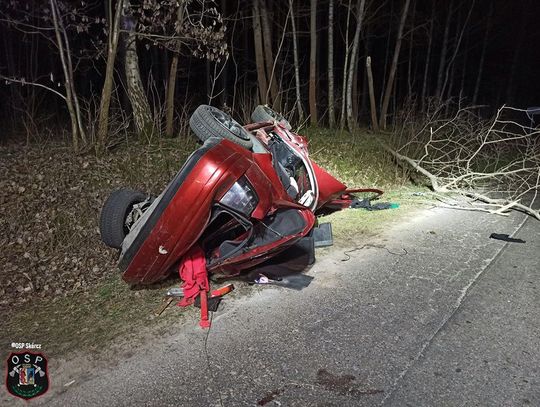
(26, 375)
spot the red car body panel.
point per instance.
(174, 233)
(329, 187)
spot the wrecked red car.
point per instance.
(247, 194)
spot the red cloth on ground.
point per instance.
(193, 273)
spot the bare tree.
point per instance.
(331, 107)
(106, 92)
(259, 56)
(353, 63)
(428, 58)
(296, 64)
(494, 165)
(457, 46)
(54, 21)
(181, 27)
(142, 114)
(411, 77)
(171, 83)
(343, 117)
(313, 64)
(268, 56)
(393, 67)
(372, 104)
(72, 101)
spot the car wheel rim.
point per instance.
(274, 114)
(230, 124)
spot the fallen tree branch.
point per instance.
(432, 178)
(496, 162)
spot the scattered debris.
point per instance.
(367, 205)
(322, 235)
(505, 238)
(175, 292)
(295, 282)
(164, 305)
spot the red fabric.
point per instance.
(193, 273)
(204, 323)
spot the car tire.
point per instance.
(265, 114)
(208, 121)
(113, 215)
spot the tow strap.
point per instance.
(195, 286)
(193, 273)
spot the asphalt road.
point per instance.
(432, 313)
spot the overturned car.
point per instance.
(246, 195)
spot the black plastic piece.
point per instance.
(213, 303)
(505, 238)
(322, 235)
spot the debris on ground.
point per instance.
(505, 238)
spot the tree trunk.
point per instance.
(259, 56)
(482, 56)
(393, 67)
(171, 85)
(67, 77)
(69, 63)
(450, 92)
(345, 70)
(456, 49)
(353, 62)
(171, 82)
(410, 73)
(464, 66)
(386, 53)
(444, 49)
(428, 58)
(269, 56)
(364, 94)
(313, 64)
(296, 64)
(142, 114)
(112, 48)
(224, 97)
(373, 106)
(331, 107)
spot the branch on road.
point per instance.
(494, 163)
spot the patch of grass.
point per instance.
(350, 225)
(357, 159)
(85, 322)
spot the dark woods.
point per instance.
(98, 70)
